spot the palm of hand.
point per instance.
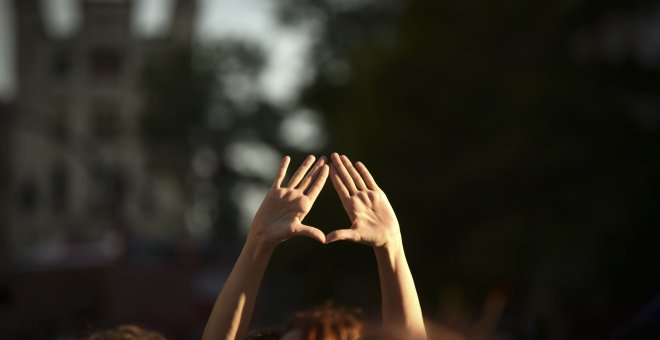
(281, 213)
(372, 217)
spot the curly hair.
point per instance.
(328, 323)
(125, 332)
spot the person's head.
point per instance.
(325, 323)
(125, 332)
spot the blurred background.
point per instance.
(519, 143)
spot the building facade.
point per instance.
(79, 186)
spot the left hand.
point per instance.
(283, 209)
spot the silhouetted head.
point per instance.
(321, 323)
(125, 332)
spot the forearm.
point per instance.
(400, 304)
(232, 311)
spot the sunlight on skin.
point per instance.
(281, 216)
(374, 223)
(236, 318)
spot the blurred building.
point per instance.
(78, 184)
(4, 182)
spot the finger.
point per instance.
(357, 179)
(311, 174)
(342, 235)
(298, 175)
(343, 173)
(371, 183)
(281, 172)
(315, 188)
(341, 189)
(308, 231)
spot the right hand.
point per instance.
(373, 221)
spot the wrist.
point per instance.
(258, 248)
(393, 240)
(392, 249)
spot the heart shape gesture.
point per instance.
(280, 215)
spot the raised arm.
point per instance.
(279, 218)
(375, 224)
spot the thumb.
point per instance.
(343, 235)
(309, 231)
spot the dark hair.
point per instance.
(328, 322)
(125, 332)
(266, 334)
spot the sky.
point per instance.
(217, 19)
(6, 53)
(253, 20)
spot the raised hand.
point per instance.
(372, 218)
(283, 209)
(279, 217)
(373, 223)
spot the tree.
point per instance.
(537, 160)
(206, 125)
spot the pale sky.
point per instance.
(253, 19)
(6, 53)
